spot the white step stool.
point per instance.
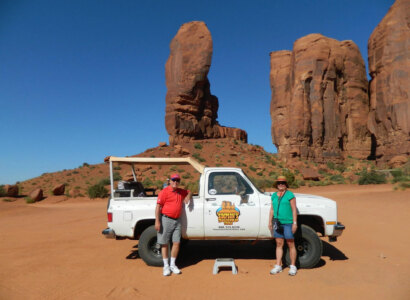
(225, 262)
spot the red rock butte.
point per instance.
(389, 65)
(191, 110)
(319, 103)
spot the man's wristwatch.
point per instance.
(295, 223)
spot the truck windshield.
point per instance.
(253, 183)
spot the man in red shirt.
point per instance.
(167, 222)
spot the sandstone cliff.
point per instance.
(319, 104)
(389, 66)
(191, 109)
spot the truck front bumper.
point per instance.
(109, 233)
(337, 231)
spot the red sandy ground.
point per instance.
(54, 250)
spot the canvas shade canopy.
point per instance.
(159, 161)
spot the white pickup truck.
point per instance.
(228, 207)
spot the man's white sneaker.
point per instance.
(166, 271)
(175, 270)
(276, 269)
(292, 270)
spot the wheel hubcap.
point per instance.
(155, 248)
(303, 248)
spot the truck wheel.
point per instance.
(308, 246)
(148, 248)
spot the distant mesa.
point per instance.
(191, 110)
(389, 66)
(319, 103)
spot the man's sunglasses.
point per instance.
(282, 182)
(176, 180)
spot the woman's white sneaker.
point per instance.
(276, 269)
(292, 270)
(175, 270)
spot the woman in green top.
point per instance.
(283, 208)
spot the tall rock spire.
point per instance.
(191, 110)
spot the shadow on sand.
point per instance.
(193, 252)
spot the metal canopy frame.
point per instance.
(152, 161)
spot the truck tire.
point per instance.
(308, 246)
(148, 248)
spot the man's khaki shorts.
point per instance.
(169, 228)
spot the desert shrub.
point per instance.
(259, 173)
(301, 182)
(153, 172)
(262, 183)
(198, 146)
(147, 182)
(319, 183)
(75, 172)
(371, 177)
(341, 168)
(2, 191)
(117, 176)
(193, 187)
(9, 200)
(402, 185)
(337, 178)
(290, 178)
(330, 165)
(117, 168)
(158, 184)
(29, 200)
(97, 191)
(105, 181)
(173, 168)
(399, 176)
(186, 176)
(252, 168)
(235, 142)
(198, 157)
(85, 165)
(219, 165)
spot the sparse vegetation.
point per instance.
(9, 200)
(105, 181)
(29, 200)
(198, 146)
(198, 157)
(2, 191)
(97, 191)
(193, 186)
(290, 178)
(117, 176)
(187, 176)
(371, 177)
(337, 179)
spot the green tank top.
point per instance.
(285, 210)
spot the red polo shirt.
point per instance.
(171, 201)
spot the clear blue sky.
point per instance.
(80, 80)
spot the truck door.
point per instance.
(231, 207)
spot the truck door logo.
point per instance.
(228, 213)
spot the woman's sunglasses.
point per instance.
(282, 182)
